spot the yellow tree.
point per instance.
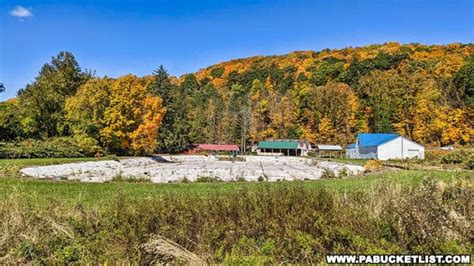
(132, 111)
(282, 116)
(260, 108)
(453, 126)
(326, 132)
(144, 137)
(335, 103)
(85, 110)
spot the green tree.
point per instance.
(463, 92)
(173, 135)
(10, 124)
(44, 99)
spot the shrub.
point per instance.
(344, 172)
(469, 163)
(88, 145)
(112, 157)
(456, 157)
(435, 155)
(258, 225)
(208, 179)
(373, 165)
(130, 179)
(240, 179)
(328, 173)
(62, 147)
(265, 224)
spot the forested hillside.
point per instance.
(423, 92)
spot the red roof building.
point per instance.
(213, 147)
(217, 147)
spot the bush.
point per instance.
(131, 179)
(328, 173)
(87, 144)
(240, 179)
(469, 163)
(435, 155)
(258, 225)
(208, 179)
(373, 165)
(62, 147)
(456, 157)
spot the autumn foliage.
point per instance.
(120, 114)
(423, 92)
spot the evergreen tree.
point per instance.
(173, 135)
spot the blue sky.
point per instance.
(119, 37)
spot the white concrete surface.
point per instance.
(175, 168)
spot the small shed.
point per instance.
(328, 151)
(284, 147)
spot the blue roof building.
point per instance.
(374, 139)
(384, 146)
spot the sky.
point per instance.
(115, 38)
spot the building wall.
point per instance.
(367, 152)
(400, 148)
(305, 148)
(351, 153)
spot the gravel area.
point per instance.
(165, 169)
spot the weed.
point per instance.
(328, 173)
(240, 179)
(253, 223)
(344, 172)
(207, 179)
(130, 179)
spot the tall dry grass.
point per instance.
(265, 225)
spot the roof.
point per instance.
(324, 147)
(374, 139)
(217, 147)
(351, 146)
(278, 144)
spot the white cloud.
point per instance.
(21, 12)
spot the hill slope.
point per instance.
(422, 91)
(441, 60)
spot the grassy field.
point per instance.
(93, 193)
(403, 211)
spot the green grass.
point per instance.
(247, 222)
(96, 193)
(347, 160)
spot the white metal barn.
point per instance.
(384, 146)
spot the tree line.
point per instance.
(423, 92)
